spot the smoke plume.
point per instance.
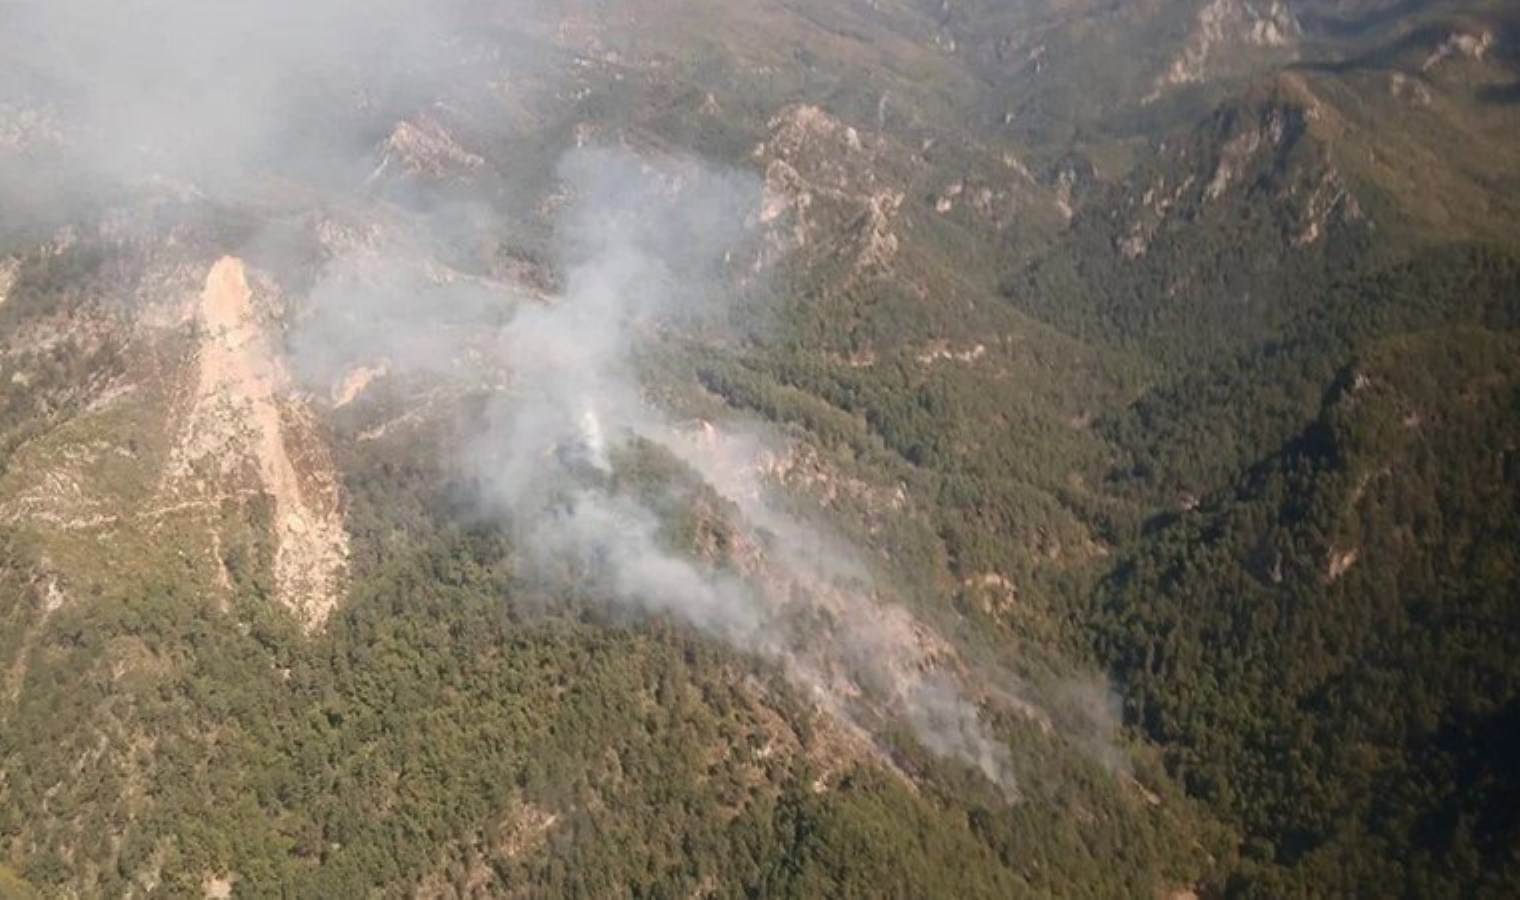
(645, 247)
(216, 95)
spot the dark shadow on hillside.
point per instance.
(1383, 56)
(1322, 25)
(1502, 94)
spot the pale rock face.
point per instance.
(1223, 24)
(1318, 195)
(245, 416)
(424, 147)
(812, 161)
(1328, 201)
(8, 269)
(1154, 207)
(1065, 184)
(881, 241)
(942, 351)
(1464, 45)
(1341, 562)
(355, 383)
(1241, 149)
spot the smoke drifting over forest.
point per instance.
(213, 95)
(641, 241)
(650, 246)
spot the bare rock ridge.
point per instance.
(1223, 26)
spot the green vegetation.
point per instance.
(454, 728)
(1326, 649)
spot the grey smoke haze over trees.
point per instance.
(214, 94)
(648, 246)
(645, 240)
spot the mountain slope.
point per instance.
(1326, 647)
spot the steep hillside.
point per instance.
(1326, 648)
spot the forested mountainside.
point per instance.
(785, 448)
(1330, 664)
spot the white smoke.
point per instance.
(645, 243)
(101, 99)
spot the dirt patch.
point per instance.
(217, 887)
(526, 831)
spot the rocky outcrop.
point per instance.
(1222, 25)
(1460, 45)
(423, 147)
(1277, 143)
